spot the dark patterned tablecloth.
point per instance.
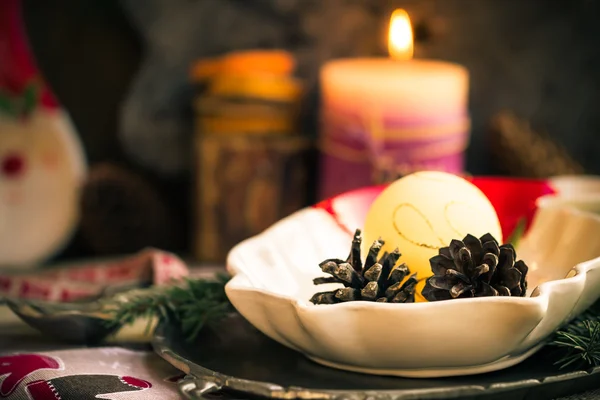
(33, 367)
(16, 337)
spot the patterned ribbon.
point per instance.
(149, 267)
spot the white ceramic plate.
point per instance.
(272, 286)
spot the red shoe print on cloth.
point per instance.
(15, 368)
(84, 387)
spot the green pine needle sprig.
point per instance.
(192, 305)
(579, 341)
(518, 233)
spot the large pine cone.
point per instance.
(375, 281)
(475, 268)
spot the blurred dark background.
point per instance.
(121, 68)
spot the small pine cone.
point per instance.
(376, 280)
(475, 268)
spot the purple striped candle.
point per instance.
(384, 116)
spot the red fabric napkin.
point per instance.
(514, 199)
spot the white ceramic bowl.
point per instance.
(272, 285)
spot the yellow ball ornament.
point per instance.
(418, 289)
(422, 212)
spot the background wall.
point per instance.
(120, 67)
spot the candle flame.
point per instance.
(400, 37)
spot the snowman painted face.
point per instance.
(41, 170)
(423, 212)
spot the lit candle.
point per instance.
(395, 115)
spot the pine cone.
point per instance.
(123, 213)
(375, 281)
(475, 268)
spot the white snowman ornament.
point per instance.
(42, 165)
(41, 172)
